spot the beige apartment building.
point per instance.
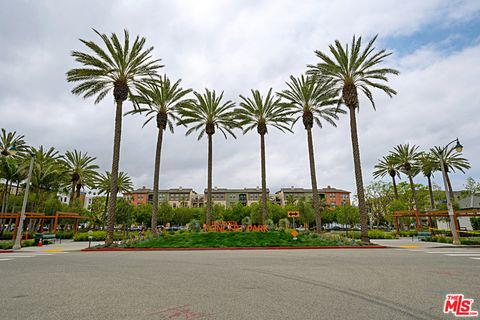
(176, 197)
(228, 197)
(332, 196)
(187, 198)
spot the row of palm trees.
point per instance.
(131, 71)
(52, 171)
(410, 161)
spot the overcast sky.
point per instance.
(236, 46)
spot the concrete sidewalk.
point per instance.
(408, 243)
(64, 246)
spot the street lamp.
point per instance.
(451, 215)
(17, 244)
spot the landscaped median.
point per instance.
(237, 241)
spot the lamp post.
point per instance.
(17, 244)
(451, 215)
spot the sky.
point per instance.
(235, 46)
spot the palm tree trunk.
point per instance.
(450, 189)
(430, 192)
(209, 181)
(114, 177)
(395, 191)
(79, 188)
(156, 178)
(415, 200)
(264, 179)
(8, 196)
(358, 178)
(313, 177)
(18, 186)
(5, 188)
(72, 193)
(105, 210)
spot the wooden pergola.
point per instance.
(43, 217)
(434, 214)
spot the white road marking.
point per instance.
(475, 258)
(442, 252)
(462, 254)
(5, 259)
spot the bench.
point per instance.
(423, 234)
(44, 237)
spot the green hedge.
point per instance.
(442, 239)
(98, 236)
(9, 244)
(236, 239)
(373, 234)
(64, 235)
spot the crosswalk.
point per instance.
(22, 255)
(455, 253)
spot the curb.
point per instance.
(6, 251)
(234, 248)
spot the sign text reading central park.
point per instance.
(233, 226)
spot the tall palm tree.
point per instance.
(428, 166)
(312, 101)
(452, 160)
(353, 70)
(80, 170)
(121, 68)
(161, 99)
(260, 112)
(9, 168)
(388, 165)
(207, 113)
(104, 181)
(407, 159)
(8, 141)
(47, 172)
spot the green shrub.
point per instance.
(470, 241)
(9, 244)
(98, 236)
(64, 235)
(372, 234)
(408, 233)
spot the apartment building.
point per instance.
(228, 197)
(332, 196)
(176, 197)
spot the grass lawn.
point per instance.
(238, 239)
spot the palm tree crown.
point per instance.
(452, 159)
(353, 69)
(387, 165)
(119, 68)
(258, 112)
(407, 158)
(208, 113)
(311, 100)
(9, 140)
(103, 181)
(161, 98)
(80, 170)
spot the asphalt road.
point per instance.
(281, 284)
